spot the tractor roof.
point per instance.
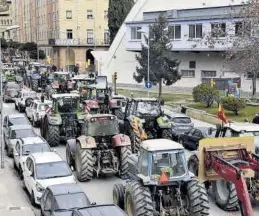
(82, 77)
(55, 96)
(161, 145)
(45, 102)
(88, 117)
(61, 73)
(145, 99)
(243, 126)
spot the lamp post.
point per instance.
(1, 98)
(148, 54)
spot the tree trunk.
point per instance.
(160, 89)
(254, 85)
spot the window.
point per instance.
(135, 35)
(68, 14)
(69, 34)
(218, 29)
(90, 36)
(192, 64)
(250, 75)
(208, 73)
(105, 14)
(106, 37)
(174, 32)
(144, 162)
(90, 14)
(242, 28)
(195, 31)
(188, 73)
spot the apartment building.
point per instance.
(5, 17)
(67, 30)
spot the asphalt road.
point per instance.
(98, 190)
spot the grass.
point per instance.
(249, 112)
(165, 96)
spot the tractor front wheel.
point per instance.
(198, 199)
(138, 200)
(34, 85)
(52, 135)
(125, 151)
(84, 160)
(118, 195)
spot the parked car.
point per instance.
(15, 119)
(23, 98)
(16, 132)
(42, 170)
(26, 146)
(190, 140)
(17, 211)
(62, 198)
(99, 210)
(36, 110)
(180, 123)
(10, 92)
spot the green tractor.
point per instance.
(144, 119)
(160, 183)
(64, 120)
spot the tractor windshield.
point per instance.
(171, 163)
(102, 127)
(148, 107)
(67, 104)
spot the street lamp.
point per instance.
(148, 54)
(67, 52)
(1, 98)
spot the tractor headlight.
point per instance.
(39, 187)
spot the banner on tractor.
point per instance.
(225, 148)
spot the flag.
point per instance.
(221, 114)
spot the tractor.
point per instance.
(160, 184)
(82, 81)
(100, 150)
(65, 119)
(39, 78)
(224, 192)
(144, 119)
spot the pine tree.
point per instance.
(163, 67)
(117, 13)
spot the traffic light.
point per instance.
(115, 75)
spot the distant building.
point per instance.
(188, 22)
(5, 18)
(66, 30)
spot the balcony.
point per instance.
(89, 42)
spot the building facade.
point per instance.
(5, 18)
(67, 30)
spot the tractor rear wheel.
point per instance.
(52, 135)
(34, 85)
(225, 195)
(134, 138)
(118, 195)
(138, 200)
(125, 151)
(84, 161)
(198, 199)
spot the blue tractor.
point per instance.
(160, 183)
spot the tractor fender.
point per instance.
(120, 140)
(113, 104)
(87, 142)
(71, 145)
(54, 119)
(92, 104)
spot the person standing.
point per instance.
(76, 69)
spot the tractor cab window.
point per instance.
(143, 162)
(147, 108)
(171, 163)
(67, 104)
(102, 127)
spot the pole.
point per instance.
(67, 58)
(1, 116)
(38, 53)
(148, 71)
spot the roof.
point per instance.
(61, 72)
(175, 114)
(64, 95)
(243, 126)
(145, 99)
(45, 101)
(33, 140)
(82, 77)
(46, 157)
(160, 145)
(20, 127)
(17, 211)
(28, 90)
(101, 210)
(18, 115)
(87, 117)
(67, 188)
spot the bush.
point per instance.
(205, 94)
(233, 104)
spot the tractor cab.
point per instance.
(62, 81)
(160, 161)
(82, 80)
(65, 103)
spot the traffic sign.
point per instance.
(148, 84)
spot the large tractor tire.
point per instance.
(118, 195)
(52, 135)
(34, 85)
(138, 200)
(134, 138)
(198, 199)
(125, 151)
(225, 195)
(118, 113)
(84, 160)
